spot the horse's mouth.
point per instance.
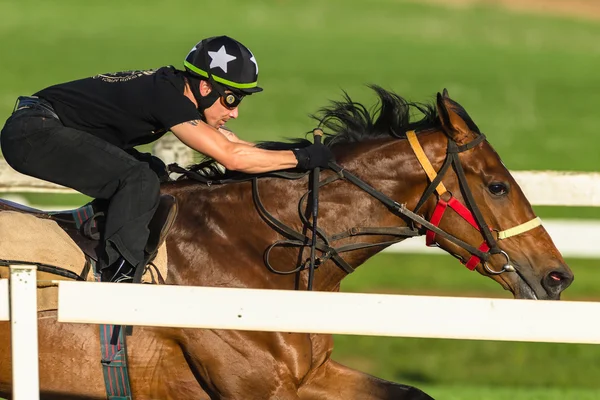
(525, 291)
(520, 286)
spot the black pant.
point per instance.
(36, 144)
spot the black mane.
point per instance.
(347, 121)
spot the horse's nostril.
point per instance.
(557, 280)
(556, 276)
(554, 280)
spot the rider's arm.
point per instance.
(234, 156)
(232, 137)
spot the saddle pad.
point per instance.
(27, 239)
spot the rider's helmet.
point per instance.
(226, 64)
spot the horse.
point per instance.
(393, 177)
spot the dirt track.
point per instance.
(587, 9)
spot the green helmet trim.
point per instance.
(219, 79)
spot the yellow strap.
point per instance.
(517, 230)
(416, 146)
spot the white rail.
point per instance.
(24, 332)
(560, 188)
(324, 312)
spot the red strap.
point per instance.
(438, 213)
(463, 212)
(436, 217)
(474, 260)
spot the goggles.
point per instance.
(231, 100)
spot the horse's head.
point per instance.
(451, 183)
(519, 247)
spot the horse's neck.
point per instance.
(220, 238)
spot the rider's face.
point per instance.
(217, 114)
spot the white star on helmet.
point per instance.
(255, 64)
(220, 59)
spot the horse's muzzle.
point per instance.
(556, 281)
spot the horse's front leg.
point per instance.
(333, 381)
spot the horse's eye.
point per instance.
(498, 189)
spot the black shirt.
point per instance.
(124, 108)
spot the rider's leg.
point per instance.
(44, 148)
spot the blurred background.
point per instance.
(527, 71)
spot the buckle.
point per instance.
(35, 102)
(26, 102)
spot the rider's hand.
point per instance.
(315, 155)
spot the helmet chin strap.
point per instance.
(216, 91)
(204, 102)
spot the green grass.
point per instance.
(527, 81)
(530, 83)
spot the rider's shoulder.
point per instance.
(170, 75)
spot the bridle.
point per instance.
(471, 214)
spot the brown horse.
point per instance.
(224, 236)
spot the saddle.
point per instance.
(86, 233)
(66, 244)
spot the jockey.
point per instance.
(81, 134)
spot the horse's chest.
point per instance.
(293, 355)
(304, 352)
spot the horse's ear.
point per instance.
(445, 93)
(453, 124)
